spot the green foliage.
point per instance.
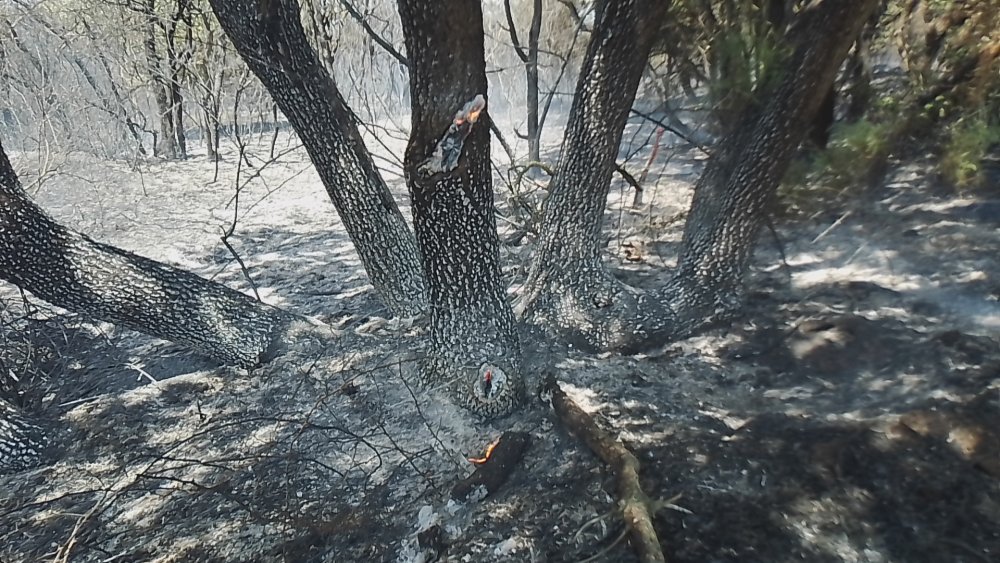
(968, 140)
(854, 151)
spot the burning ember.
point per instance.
(486, 454)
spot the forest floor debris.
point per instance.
(851, 414)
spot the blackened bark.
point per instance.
(822, 122)
(106, 283)
(531, 70)
(269, 37)
(23, 443)
(733, 195)
(568, 287)
(475, 344)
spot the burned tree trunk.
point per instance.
(475, 345)
(269, 37)
(71, 271)
(569, 288)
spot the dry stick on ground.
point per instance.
(637, 508)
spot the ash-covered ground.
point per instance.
(852, 414)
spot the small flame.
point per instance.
(486, 454)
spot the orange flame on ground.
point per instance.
(486, 454)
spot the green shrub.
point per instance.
(962, 153)
(854, 151)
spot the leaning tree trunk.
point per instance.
(475, 345)
(734, 193)
(570, 289)
(71, 271)
(269, 36)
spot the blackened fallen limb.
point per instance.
(637, 509)
(106, 283)
(494, 471)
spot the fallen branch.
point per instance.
(637, 509)
(494, 469)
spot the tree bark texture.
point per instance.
(69, 270)
(475, 348)
(733, 195)
(23, 443)
(269, 36)
(568, 287)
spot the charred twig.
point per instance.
(494, 470)
(385, 44)
(630, 180)
(637, 509)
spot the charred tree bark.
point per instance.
(269, 37)
(71, 271)
(475, 348)
(23, 443)
(569, 288)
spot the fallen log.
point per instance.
(637, 509)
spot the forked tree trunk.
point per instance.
(475, 345)
(269, 37)
(569, 288)
(69, 270)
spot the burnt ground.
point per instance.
(852, 413)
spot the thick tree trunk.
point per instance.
(71, 271)
(570, 290)
(269, 37)
(568, 287)
(732, 196)
(475, 345)
(23, 443)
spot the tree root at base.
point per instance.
(637, 509)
